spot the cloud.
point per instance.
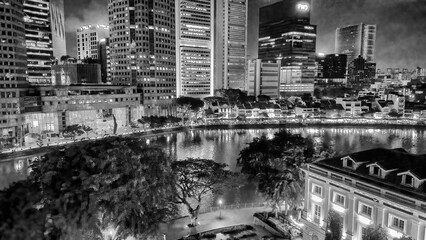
(82, 12)
(93, 13)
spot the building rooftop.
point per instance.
(394, 164)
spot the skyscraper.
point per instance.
(195, 48)
(13, 81)
(263, 78)
(230, 43)
(104, 56)
(142, 45)
(356, 40)
(332, 66)
(88, 38)
(45, 38)
(285, 34)
(361, 71)
(57, 24)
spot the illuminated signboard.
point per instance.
(303, 7)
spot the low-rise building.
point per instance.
(76, 73)
(52, 108)
(263, 78)
(259, 110)
(377, 187)
(352, 107)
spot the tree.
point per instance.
(394, 113)
(195, 179)
(128, 184)
(251, 99)
(89, 61)
(375, 233)
(73, 131)
(276, 163)
(39, 141)
(214, 99)
(335, 226)
(86, 129)
(65, 58)
(307, 97)
(187, 105)
(232, 96)
(20, 218)
(263, 98)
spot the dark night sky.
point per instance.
(401, 25)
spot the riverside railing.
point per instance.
(233, 206)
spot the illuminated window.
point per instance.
(366, 210)
(317, 190)
(317, 213)
(409, 180)
(398, 223)
(339, 199)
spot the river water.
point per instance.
(224, 145)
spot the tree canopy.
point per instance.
(187, 105)
(276, 163)
(73, 131)
(263, 98)
(334, 226)
(375, 233)
(156, 122)
(232, 96)
(194, 104)
(20, 217)
(116, 183)
(195, 179)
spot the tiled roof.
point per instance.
(387, 159)
(393, 160)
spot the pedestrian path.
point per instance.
(209, 221)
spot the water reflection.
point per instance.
(224, 145)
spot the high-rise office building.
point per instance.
(57, 22)
(13, 78)
(230, 44)
(104, 56)
(45, 38)
(361, 71)
(356, 40)
(142, 46)
(332, 66)
(88, 39)
(195, 48)
(263, 78)
(285, 34)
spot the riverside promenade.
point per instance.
(209, 221)
(32, 144)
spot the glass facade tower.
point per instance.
(285, 34)
(142, 50)
(356, 40)
(13, 78)
(88, 38)
(45, 38)
(230, 44)
(195, 48)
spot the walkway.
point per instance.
(209, 221)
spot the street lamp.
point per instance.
(220, 209)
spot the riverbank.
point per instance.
(228, 124)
